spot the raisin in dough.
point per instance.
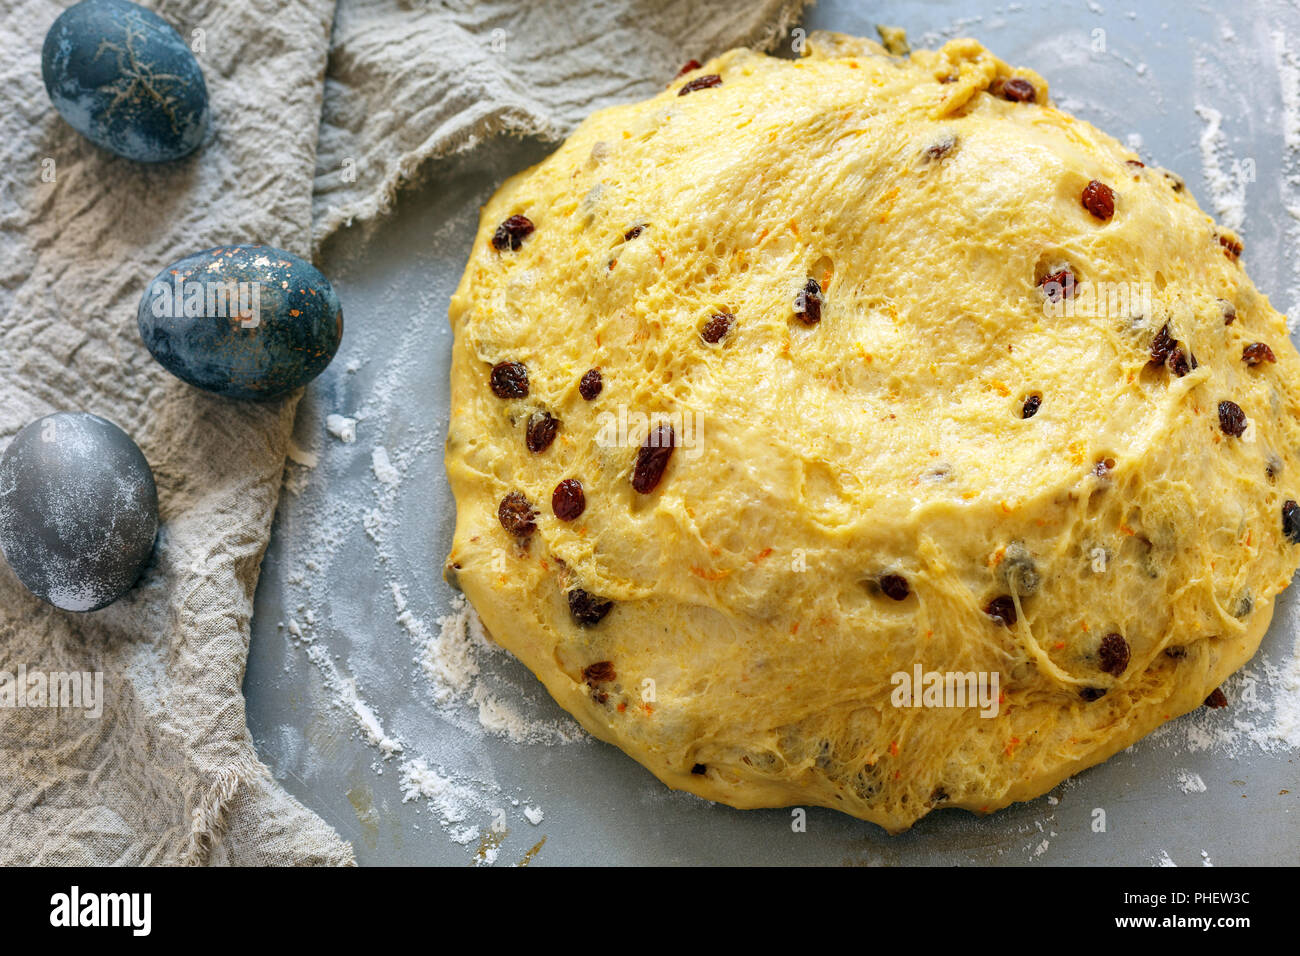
(865, 492)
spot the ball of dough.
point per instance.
(866, 432)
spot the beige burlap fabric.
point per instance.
(167, 773)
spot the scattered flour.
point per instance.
(450, 652)
(1227, 187)
(452, 662)
(1287, 62)
(342, 428)
(346, 696)
(1254, 722)
(451, 801)
(383, 467)
(1165, 859)
(1190, 782)
(1285, 725)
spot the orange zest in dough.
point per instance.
(709, 575)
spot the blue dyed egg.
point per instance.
(124, 79)
(242, 321)
(78, 510)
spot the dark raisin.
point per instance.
(541, 430)
(591, 384)
(1232, 246)
(1175, 181)
(568, 501)
(1291, 521)
(511, 233)
(690, 66)
(586, 609)
(1098, 199)
(1181, 361)
(652, 458)
(808, 303)
(1162, 346)
(633, 233)
(517, 515)
(700, 83)
(1229, 311)
(1256, 353)
(1135, 163)
(1217, 699)
(1032, 404)
(895, 586)
(1057, 285)
(601, 672)
(699, 770)
(1017, 90)
(719, 324)
(1232, 420)
(1002, 609)
(509, 380)
(1092, 693)
(1113, 654)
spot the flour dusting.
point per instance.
(383, 467)
(342, 428)
(1227, 185)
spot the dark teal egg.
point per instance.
(242, 321)
(124, 79)
(78, 510)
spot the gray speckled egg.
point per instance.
(242, 321)
(124, 79)
(78, 510)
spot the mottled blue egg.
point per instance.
(78, 510)
(242, 321)
(124, 79)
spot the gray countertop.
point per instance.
(349, 551)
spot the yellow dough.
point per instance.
(751, 652)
